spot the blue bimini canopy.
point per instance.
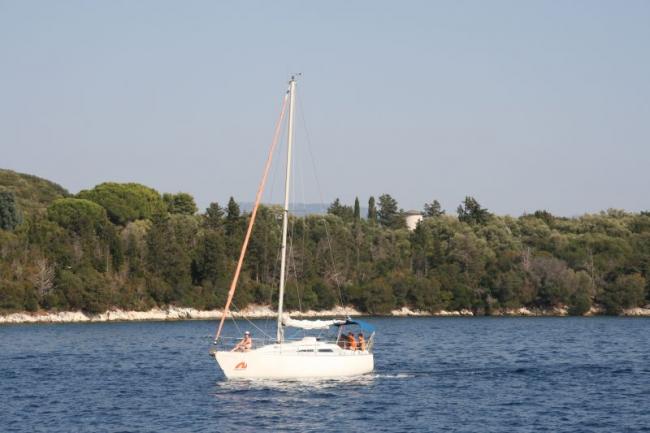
(365, 326)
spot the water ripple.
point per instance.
(450, 374)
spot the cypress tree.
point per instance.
(357, 209)
(372, 210)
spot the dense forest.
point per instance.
(126, 245)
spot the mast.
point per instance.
(285, 213)
(258, 198)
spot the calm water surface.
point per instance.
(432, 374)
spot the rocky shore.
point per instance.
(523, 312)
(155, 314)
(264, 311)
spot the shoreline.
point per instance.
(263, 311)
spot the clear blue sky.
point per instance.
(524, 105)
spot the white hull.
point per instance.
(302, 359)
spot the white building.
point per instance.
(412, 218)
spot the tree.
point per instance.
(553, 280)
(78, 215)
(625, 291)
(545, 216)
(213, 218)
(9, 217)
(342, 211)
(433, 209)
(581, 298)
(181, 203)
(43, 277)
(420, 239)
(68, 255)
(232, 217)
(125, 202)
(264, 243)
(372, 210)
(471, 212)
(233, 228)
(135, 246)
(357, 209)
(388, 212)
(210, 263)
(168, 256)
(84, 289)
(326, 295)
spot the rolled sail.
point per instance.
(309, 324)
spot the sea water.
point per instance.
(432, 374)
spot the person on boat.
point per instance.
(245, 344)
(352, 342)
(362, 342)
(342, 341)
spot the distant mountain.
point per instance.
(32, 193)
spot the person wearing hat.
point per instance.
(245, 344)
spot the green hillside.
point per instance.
(32, 193)
(125, 245)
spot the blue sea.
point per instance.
(432, 374)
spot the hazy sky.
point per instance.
(524, 105)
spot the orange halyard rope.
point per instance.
(258, 198)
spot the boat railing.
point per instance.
(228, 343)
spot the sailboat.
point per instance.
(306, 357)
